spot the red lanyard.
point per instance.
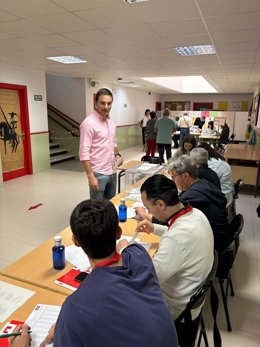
(179, 214)
(113, 260)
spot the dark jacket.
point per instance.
(209, 175)
(204, 196)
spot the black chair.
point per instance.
(187, 329)
(237, 187)
(226, 260)
(231, 139)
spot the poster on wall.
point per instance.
(11, 147)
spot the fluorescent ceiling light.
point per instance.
(184, 84)
(134, 1)
(195, 50)
(67, 59)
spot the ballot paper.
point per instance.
(134, 194)
(11, 298)
(40, 321)
(130, 212)
(77, 257)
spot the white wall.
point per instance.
(35, 82)
(136, 101)
(215, 98)
(67, 95)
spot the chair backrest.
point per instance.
(227, 257)
(238, 186)
(184, 324)
(231, 139)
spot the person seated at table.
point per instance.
(200, 156)
(120, 303)
(204, 196)
(210, 127)
(224, 135)
(185, 254)
(219, 164)
(199, 122)
(189, 142)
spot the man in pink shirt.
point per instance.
(98, 148)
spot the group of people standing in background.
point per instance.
(159, 132)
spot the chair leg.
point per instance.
(224, 299)
(203, 333)
(231, 286)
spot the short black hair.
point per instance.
(147, 110)
(160, 187)
(94, 224)
(152, 114)
(103, 91)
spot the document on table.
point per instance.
(11, 298)
(40, 321)
(77, 257)
(134, 194)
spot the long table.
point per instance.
(41, 296)
(122, 169)
(244, 160)
(35, 267)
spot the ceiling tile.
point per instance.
(23, 28)
(62, 23)
(219, 7)
(30, 8)
(115, 17)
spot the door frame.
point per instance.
(23, 100)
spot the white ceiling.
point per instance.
(134, 41)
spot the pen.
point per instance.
(14, 334)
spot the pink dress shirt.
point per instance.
(97, 143)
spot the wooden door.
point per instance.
(15, 146)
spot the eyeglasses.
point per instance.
(173, 176)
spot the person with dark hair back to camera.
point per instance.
(98, 148)
(120, 303)
(185, 254)
(150, 135)
(224, 135)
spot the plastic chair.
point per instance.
(237, 187)
(187, 329)
(226, 260)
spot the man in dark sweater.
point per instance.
(120, 303)
(202, 195)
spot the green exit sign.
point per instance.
(37, 97)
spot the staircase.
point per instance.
(59, 155)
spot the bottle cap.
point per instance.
(57, 238)
(122, 200)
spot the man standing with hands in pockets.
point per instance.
(98, 148)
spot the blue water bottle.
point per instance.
(58, 254)
(122, 211)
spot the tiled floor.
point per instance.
(60, 189)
